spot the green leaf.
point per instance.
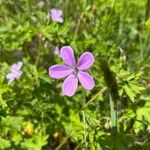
(129, 92)
(35, 143)
(4, 144)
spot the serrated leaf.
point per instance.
(129, 92)
(4, 144)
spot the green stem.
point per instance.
(147, 11)
(84, 119)
(84, 132)
(95, 96)
(84, 95)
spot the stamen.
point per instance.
(75, 71)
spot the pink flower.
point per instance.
(15, 72)
(56, 15)
(56, 51)
(73, 71)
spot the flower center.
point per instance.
(75, 71)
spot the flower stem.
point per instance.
(95, 96)
(84, 131)
(84, 119)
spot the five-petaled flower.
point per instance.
(56, 15)
(56, 51)
(15, 72)
(73, 71)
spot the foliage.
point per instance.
(35, 115)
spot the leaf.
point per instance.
(3, 89)
(4, 144)
(129, 92)
(14, 123)
(74, 127)
(137, 88)
(35, 143)
(142, 117)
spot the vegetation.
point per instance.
(114, 115)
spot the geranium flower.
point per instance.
(73, 71)
(56, 15)
(15, 72)
(56, 51)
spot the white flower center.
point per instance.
(75, 71)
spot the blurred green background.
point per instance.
(115, 115)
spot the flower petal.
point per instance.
(17, 74)
(56, 12)
(85, 61)
(86, 80)
(10, 76)
(56, 51)
(59, 12)
(10, 81)
(56, 15)
(59, 71)
(16, 66)
(70, 84)
(19, 65)
(67, 55)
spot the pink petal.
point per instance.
(10, 81)
(14, 74)
(56, 15)
(67, 55)
(85, 61)
(17, 73)
(70, 84)
(10, 76)
(56, 51)
(16, 66)
(59, 12)
(19, 65)
(56, 12)
(59, 71)
(86, 80)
